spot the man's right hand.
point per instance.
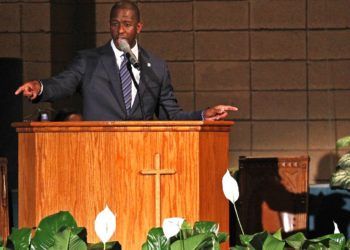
(29, 89)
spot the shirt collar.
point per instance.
(118, 53)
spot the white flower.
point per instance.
(172, 226)
(336, 229)
(105, 224)
(217, 230)
(230, 187)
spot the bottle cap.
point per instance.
(44, 117)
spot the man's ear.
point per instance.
(139, 27)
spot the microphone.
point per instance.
(125, 47)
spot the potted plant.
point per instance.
(341, 177)
(177, 234)
(267, 241)
(55, 232)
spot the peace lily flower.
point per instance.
(105, 224)
(231, 192)
(172, 226)
(230, 187)
(217, 230)
(336, 229)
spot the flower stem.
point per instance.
(239, 222)
(168, 244)
(182, 240)
(104, 246)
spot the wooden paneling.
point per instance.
(213, 164)
(83, 166)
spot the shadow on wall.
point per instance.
(270, 198)
(327, 205)
(325, 167)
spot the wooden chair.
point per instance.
(273, 194)
(4, 207)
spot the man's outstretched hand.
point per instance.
(218, 112)
(29, 89)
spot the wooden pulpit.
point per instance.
(144, 172)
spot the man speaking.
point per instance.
(120, 80)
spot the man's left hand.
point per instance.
(218, 112)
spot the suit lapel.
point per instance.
(147, 77)
(110, 64)
(141, 89)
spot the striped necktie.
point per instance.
(125, 78)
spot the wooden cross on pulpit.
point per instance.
(157, 171)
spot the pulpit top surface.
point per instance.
(132, 126)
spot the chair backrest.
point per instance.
(273, 194)
(4, 206)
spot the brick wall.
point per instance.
(284, 63)
(24, 33)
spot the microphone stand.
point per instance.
(137, 88)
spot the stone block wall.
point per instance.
(284, 63)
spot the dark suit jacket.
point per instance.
(95, 73)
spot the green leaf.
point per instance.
(185, 225)
(343, 142)
(112, 245)
(20, 238)
(336, 245)
(80, 232)
(341, 177)
(68, 239)
(278, 234)
(296, 240)
(61, 240)
(246, 239)
(222, 237)
(186, 230)
(314, 246)
(156, 239)
(258, 240)
(195, 242)
(347, 244)
(333, 240)
(49, 226)
(205, 227)
(272, 243)
(330, 241)
(144, 246)
(344, 161)
(242, 248)
(338, 238)
(208, 227)
(75, 242)
(54, 223)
